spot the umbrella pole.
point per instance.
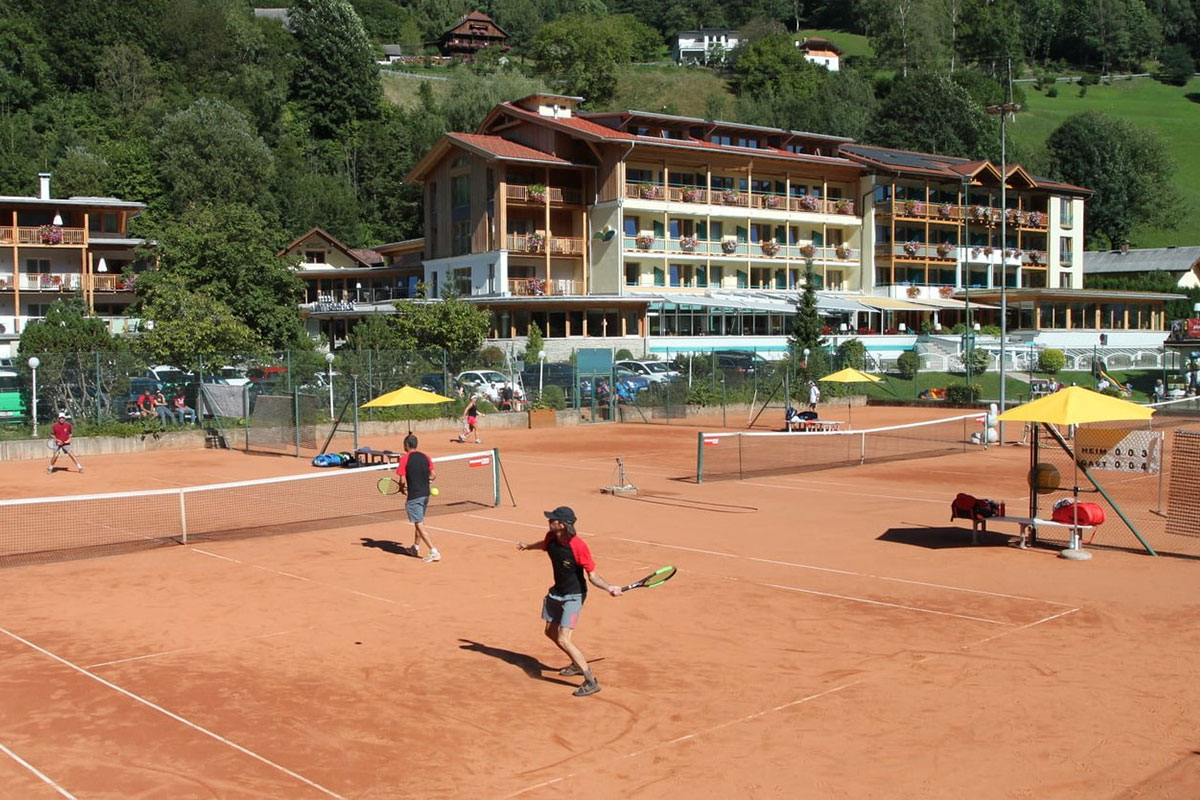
(1074, 552)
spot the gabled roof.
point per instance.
(352, 254)
(1156, 259)
(475, 16)
(819, 43)
(932, 165)
(492, 148)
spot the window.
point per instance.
(314, 257)
(460, 192)
(1064, 251)
(104, 222)
(716, 275)
(37, 266)
(632, 226)
(720, 139)
(1066, 217)
(1064, 280)
(633, 272)
(460, 234)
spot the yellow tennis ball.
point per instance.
(435, 491)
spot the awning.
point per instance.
(894, 304)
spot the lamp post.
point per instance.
(541, 371)
(34, 363)
(1003, 111)
(329, 377)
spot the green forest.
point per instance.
(240, 133)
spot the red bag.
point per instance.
(963, 506)
(1089, 513)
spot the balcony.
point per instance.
(729, 248)
(698, 195)
(971, 214)
(50, 282)
(45, 236)
(14, 326)
(539, 287)
(518, 193)
(112, 283)
(536, 243)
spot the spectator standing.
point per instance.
(814, 395)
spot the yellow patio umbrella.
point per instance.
(407, 396)
(1074, 406)
(851, 375)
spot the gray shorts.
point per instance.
(415, 506)
(62, 448)
(563, 611)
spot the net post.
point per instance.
(246, 416)
(182, 517)
(356, 412)
(862, 448)
(496, 477)
(700, 457)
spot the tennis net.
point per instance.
(742, 454)
(52, 528)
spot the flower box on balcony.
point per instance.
(913, 292)
(729, 197)
(1037, 219)
(771, 201)
(944, 249)
(649, 191)
(912, 248)
(912, 207)
(810, 203)
(1035, 256)
(692, 195)
(845, 207)
(807, 251)
(644, 241)
(946, 292)
(688, 243)
(770, 247)
(1013, 253)
(843, 251)
(945, 211)
(535, 242)
(536, 192)
(729, 246)
(50, 282)
(50, 234)
(535, 286)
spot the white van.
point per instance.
(489, 382)
(653, 371)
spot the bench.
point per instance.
(368, 455)
(1028, 526)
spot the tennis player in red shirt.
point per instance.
(62, 442)
(572, 563)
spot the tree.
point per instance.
(193, 330)
(1127, 167)
(582, 52)
(930, 113)
(449, 323)
(1177, 65)
(336, 77)
(24, 72)
(806, 330)
(535, 344)
(210, 152)
(228, 253)
(905, 33)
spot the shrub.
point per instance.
(623, 355)
(1052, 91)
(908, 363)
(979, 360)
(1177, 65)
(1051, 361)
(989, 330)
(552, 397)
(960, 394)
(852, 353)
(702, 393)
(491, 357)
(1082, 90)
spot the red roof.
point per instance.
(503, 148)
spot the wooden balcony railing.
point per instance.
(112, 283)
(51, 282)
(972, 214)
(519, 193)
(533, 287)
(735, 199)
(52, 237)
(729, 248)
(538, 243)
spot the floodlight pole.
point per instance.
(329, 368)
(1003, 111)
(34, 363)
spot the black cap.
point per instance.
(562, 514)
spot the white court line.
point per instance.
(44, 778)
(172, 715)
(921, 661)
(187, 649)
(848, 494)
(295, 576)
(887, 605)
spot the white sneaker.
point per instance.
(433, 556)
(50, 470)
(81, 469)
(479, 441)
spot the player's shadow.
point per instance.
(941, 538)
(387, 546)
(527, 663)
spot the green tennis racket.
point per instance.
(388, 486)
(659, 576)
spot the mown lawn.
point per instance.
(1147, 103)
(894, 387)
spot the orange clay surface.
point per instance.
(829, 635)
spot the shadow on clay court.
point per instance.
(387, 546)
(942, 538)
(527, 663)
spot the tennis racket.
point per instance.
(51, 443)
(388, 486)
(660, 575)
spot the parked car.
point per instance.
(12, 404)
(234, 376)
(166, 376)
(653, 371)
(743, 361)
(266, 374)
(489, 382)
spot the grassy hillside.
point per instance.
(853, 45)
(1171, 110)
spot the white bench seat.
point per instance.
(1029, 526)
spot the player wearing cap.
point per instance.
(62, 442)
(814, 395)
(572, 563)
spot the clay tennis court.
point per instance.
(829, 635)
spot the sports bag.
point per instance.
(968, 506)
(1089, 513)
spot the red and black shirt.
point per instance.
(571, 562)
